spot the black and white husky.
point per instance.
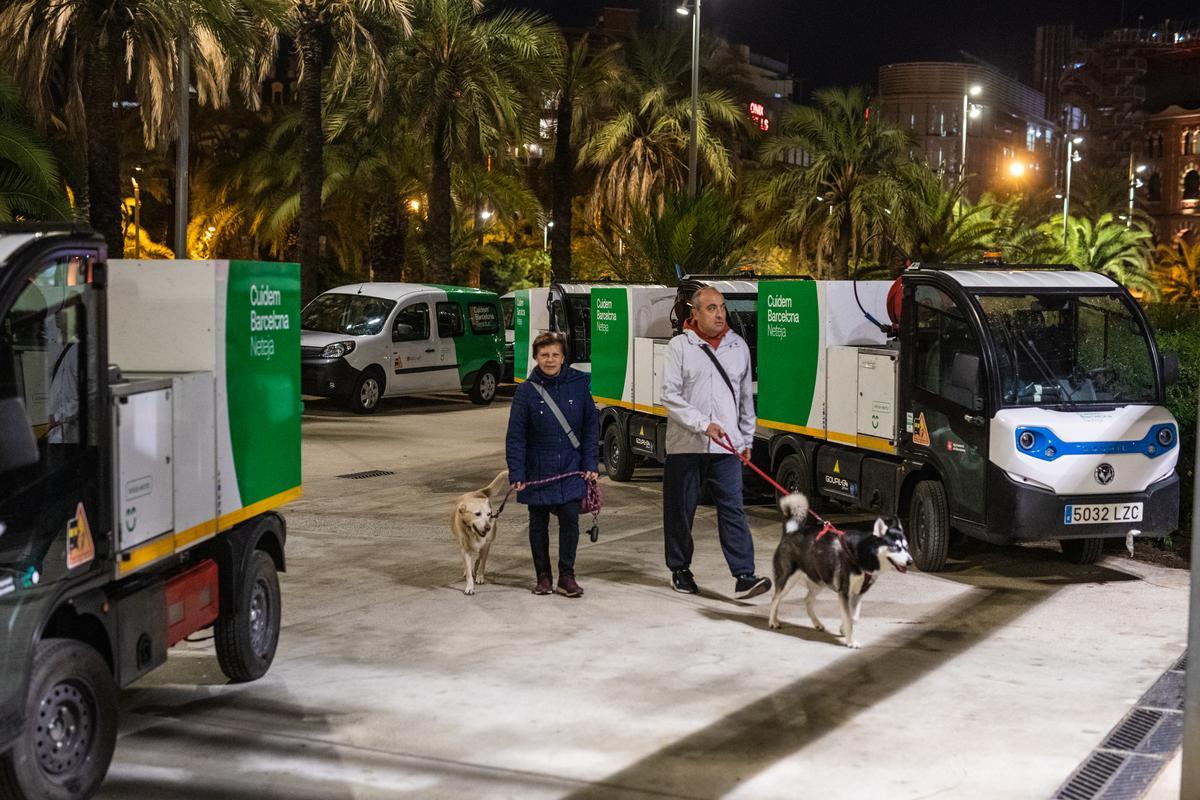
(848, 564)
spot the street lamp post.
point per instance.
(695, 12)
(137, 217)
(546, 235)
(181, 148)
(1134, 182)
(1072, 156)
(969, 111)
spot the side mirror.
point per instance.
(963, 386)
(402, 331)
(20, 448)
(1170, 368)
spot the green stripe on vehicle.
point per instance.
(262, 370)
(521, 337)
(789, 346)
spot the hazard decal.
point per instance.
(80, 547)
(920, 431)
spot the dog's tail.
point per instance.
(498, 486)
(794, 506)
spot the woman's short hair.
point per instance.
(550, 339)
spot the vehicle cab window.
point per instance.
(412, 323)
(947, 355)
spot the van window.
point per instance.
(352, 314)
(450, 320)
(412, 323)
(483, 318)
(942, 334)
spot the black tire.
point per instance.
(368, 391)
(793, 474)
(483, 390)
(247, 634)
(70, 726)
(929, 526)
(1082, 551)
(618, 460)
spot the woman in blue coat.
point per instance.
(537, 447)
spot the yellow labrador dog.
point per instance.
(474, 525)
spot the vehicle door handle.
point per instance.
(977, 421)
(431, 350)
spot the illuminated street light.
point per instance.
(1072, 157)
(1016, 169)
(1134, 183)
(485, 215)
(414, 206)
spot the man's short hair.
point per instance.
(550, 339)
(695, 298)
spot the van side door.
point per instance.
(414, 367)
(451, 329)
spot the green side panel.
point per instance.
(262, 363)
(521, 337)
(474, 350)
(789, 341)
(610, 342)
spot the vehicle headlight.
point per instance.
(1026, 440)
(337, 350)
(1166, 436)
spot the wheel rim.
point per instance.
(790, 480)
(260, 618)
(369, 394)
(64, 728)
(614, 453)
(487, 386)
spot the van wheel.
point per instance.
(247, 634)
(929, 526)
(70, 725)
(618, 461)
(1082, 551)
(368, 389)
(793, 474)
(483, 391)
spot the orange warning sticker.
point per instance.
(80, 547)
(920, 431)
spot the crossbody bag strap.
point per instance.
(558, 415)
(713, 357)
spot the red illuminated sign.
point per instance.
(759, 115)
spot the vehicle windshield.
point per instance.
(351, 314)
(1055, 349)
(742, 313)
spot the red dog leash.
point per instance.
(728, 445)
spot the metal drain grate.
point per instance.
(1133, 731)
(1182, 665)
(1092, 777)
(371, 473)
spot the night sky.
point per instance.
(845, 41)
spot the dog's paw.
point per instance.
(774, 624)
(853, 644)
(469, 590)
(481, 579)
(818, 627)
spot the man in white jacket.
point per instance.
(703, 407)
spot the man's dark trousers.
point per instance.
(682, 479)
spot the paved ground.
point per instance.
(994, 679)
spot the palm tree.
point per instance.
(587, 77)
(844, 194)
(933, 223)
(1109, 247)
(640, 149)
(684, 236)
(1177, 272)
(345, 36)
(30, 187)
(91, 54)
(473, 82)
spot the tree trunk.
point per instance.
(438, 234)
(104, 143)
(312, 161)
(385, 239)
(563, 192)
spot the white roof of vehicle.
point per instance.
(732, 287)
(1033, 279)
(11, 242)
(395, 291)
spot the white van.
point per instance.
(366, 341)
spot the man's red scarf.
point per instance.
(713, 341)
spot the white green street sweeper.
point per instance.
(149, 428)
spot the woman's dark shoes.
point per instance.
(545, 585)
(568, 586)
